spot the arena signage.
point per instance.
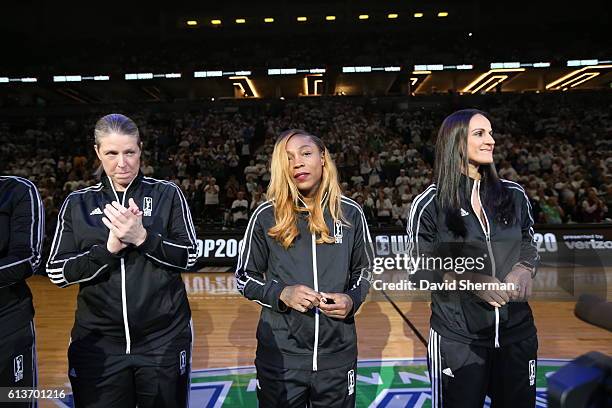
(584, 244)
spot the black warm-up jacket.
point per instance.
(287, 338)
(22, 227)
(459, 314)
(135, 300)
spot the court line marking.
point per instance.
(406, 320)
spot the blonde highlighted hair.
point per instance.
(285, 195)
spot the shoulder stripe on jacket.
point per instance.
(246, 241)
(187, 221)
(59, 229)
(516, 186)
(56, 275)
(413, 241)
(367, 238)
(184, 207)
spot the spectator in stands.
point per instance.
(402, 182)
(593, 208)
(364, 166)
(187, 183)
(357, 180)
(608, 202)
(552, 213)
(396, 212)
(384, 208)
(72, 184)
(148, 170)
(507, 171)
(251, 172)
(258, 198)
(233, 161)
(231, 189)
(405, 209)
(349, 130)
(240, 208)
(79, 162)
(375, 172)
(251, 185)
(211, 200)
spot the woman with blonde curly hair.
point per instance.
(306, 258)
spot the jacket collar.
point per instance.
(108, 184)
(467, 180)
(301, 204)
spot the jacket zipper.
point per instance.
(126, 325)
(316, 311)
(128, 340)
(487, 232)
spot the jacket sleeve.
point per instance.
(67, 264)
(422, 231)
(361, 264)
(252, 265)
(26, 235)
(529, 250)
(177, 249)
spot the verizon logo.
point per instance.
(591, 244)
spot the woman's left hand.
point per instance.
(126, 223)
(520, 276)
(340, 308)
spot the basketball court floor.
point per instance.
(391, 329)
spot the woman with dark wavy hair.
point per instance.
(482, 339)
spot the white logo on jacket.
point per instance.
(182, 361)
(464, 213)
(147, 206)
(338, 231)
(532, 372)
(96, 211)
(18, 367)
(351, 381)
(448, 372)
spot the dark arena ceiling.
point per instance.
(39, 22)
(241, 41)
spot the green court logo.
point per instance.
(378, 383)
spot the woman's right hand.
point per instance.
(494, 297)
(300, 297)
(113, 244)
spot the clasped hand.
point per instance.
(302, 298)
(124, 224)
(519, 276)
